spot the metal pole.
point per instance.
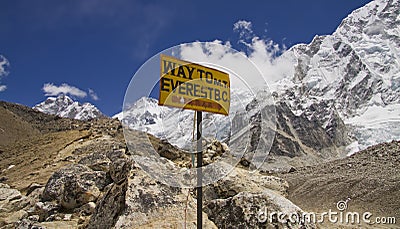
(199, 172)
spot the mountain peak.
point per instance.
(355, 71)
(66, 107)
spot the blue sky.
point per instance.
(94, 47)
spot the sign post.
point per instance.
(192, 86)
(199, 171)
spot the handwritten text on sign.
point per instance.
(193, 86)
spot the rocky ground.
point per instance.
(63, 173)
(369, 180)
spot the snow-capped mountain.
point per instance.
(176, 125)
(345, 88)
(64, 106)
(355, 72)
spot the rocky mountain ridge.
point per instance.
(83, 176)
(354, 72)
(65, 107)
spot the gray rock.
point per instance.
(35, 195)
(12, 217)
(11, 200)
(106, 161)
(151, 204)
(26, 224)
(120, 166)
(32, 187)
(87, 209)
(165, 149)
(251, 210)
(96, 161)
(45, 209)
(112, 203)
(74, 186)
(77, 192)
(138, 201)
(240, 180)
(214, 150)
(34, 218)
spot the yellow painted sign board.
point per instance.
(192, 86)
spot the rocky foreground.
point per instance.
(63, 173)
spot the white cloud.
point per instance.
(261, 63)
(220, 55)
(52, 90)
(4, 64)
(93, 95)
(266, 55)
(244, 28)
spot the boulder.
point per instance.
(74, 186)
(240, 180)
(77, 192)
(254, 210)
(138, 201)
(109, 207)
(152, 204)
(111, 162)
(112, 203)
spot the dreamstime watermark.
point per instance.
(340, 217)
